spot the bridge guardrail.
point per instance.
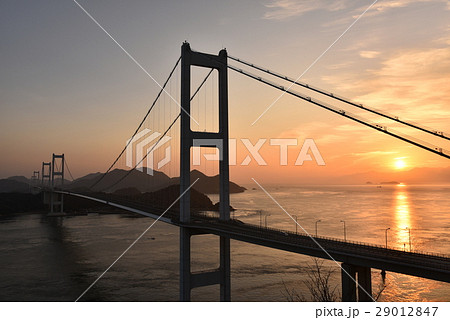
(282, 234)
(359, 244)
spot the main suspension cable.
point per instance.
(162, 136)
(437, 133)
(68, 169)
(145, 156)
(139, 127)
(437, 150)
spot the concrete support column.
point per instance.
(348, 284)
(225, 278)
(356, 283)
(365, 284)
(185, 264)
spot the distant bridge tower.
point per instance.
(45, 174)
(219, 140)
(57, 199)
(35, 178)
(46, 181)
(34, 185)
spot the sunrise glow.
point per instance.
(400, 164)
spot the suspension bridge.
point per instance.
(200, 120)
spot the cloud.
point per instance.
(381, 7)
(445, 39)
(342, 65)
(384, 6)
(285, 9)
(410, 83)
(413, 82)
(324, 133)
(353, 127)
(369, 54)
(370, 154)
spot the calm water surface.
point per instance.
(56, 259)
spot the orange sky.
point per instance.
(68, 88)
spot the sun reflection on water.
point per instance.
(402, 218)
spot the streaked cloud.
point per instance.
(381, 7)
(342, 65)
(285, 9)
(374, 154)
(413, 82)
(384, 6)
(324, 133)
(369, 54)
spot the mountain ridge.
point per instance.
(137, 179)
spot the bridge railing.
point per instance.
(279, 233)
(356, 245)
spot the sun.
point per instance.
(399, 164)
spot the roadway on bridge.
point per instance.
(425, 265)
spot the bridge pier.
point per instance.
(225, 269)
(185, 264)
(361, 290)
(188, 140)
(190, 280)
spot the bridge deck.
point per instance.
(436, 267)
(424, 265)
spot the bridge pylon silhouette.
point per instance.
(57, 199)
(34, 186)
(190, 139)
(46, 174)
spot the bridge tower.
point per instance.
(219, 140)
(46, 181)
(34, 186)
(45, 174)
(35, 179)
(57, 199)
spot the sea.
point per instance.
(56, 259)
